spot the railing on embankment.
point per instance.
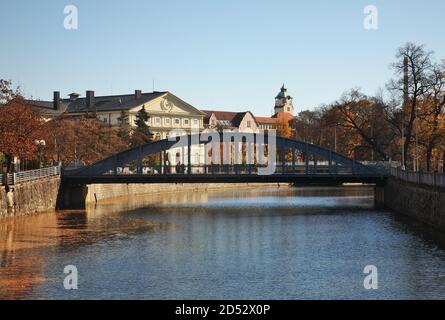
(25, 176)
(426, 178)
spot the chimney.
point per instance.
(137, 94)
(56, 100)
(91, 106)
(73, 96)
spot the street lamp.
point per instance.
(40, 145)
(335, 136)
(417, 140)
(372, 140)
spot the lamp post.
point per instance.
(40, 145)
(416, 162)
(372, 140)
(335, 136)
(403, 146)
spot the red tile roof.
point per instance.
(284, 116)
(276, 118)
(267, 120)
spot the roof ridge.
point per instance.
(124, 95)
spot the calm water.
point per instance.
(277, 243)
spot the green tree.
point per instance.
(142, 134)
(123, 118)
(124, 131)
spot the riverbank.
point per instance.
(100, 192)
(30, 197)
(418, 201)
(44, 195)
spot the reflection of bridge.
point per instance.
(226, 158)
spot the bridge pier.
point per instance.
(379, 196)
(72, 196)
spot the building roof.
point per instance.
(47, 107)
(283, 94)
(112, 103)
(276, 118)
(284, 116)
(267, 120)
(226, 118)
(102, 103)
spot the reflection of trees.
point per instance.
(20, 266)
(23, 240)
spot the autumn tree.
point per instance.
(7, 93)
(309, 126)
(367, 122)
(20, 127)
(430, 117)
(369, 127)
(124, 131)
(85, 140)
(284, 130)
(412, 70)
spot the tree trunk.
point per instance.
(429, 152)
(9, 163)
(443, 162)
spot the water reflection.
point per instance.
(22, 261)
(275, 243)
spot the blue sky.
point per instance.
(219, 54)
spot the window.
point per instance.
(158, 120)
(167, 121)
(186, 122)
(177, 121)
(248, 124)
(195, 121)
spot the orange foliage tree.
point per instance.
(284, 130)
(83, 140)
(20, 127)
(7, 93)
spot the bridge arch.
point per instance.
(293, 156)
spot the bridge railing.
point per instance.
(427, 178)
(24, 176)
(244, 169)
(9, 177)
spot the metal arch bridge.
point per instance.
(295, 162)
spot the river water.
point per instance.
(271, 243)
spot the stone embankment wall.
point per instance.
(97, 192)
(421, 202)
(29, 197)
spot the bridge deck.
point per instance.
(227, 178)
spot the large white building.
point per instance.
(167, 112)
